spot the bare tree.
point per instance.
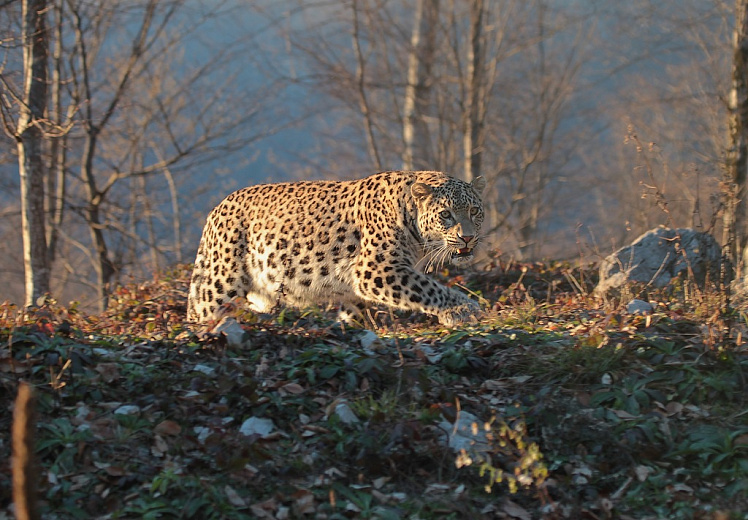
(56, 179)
(93, 123)
(138, 104)
(363, 101)
(458, 82)
(474, 93)
(667, 113)
(418, 88)
(29, 136)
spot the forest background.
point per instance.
(592, 120)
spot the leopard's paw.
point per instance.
(467, 312)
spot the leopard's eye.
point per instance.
(445, 214)
(474, 211)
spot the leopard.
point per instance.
(353, 244)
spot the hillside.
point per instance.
(581, 410)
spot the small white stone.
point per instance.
(127, 409)
(344, 412)
(204, 369)
(368, 338)
(202, 433)
(257, 426)
(639, 307)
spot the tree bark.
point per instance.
(417, 89)
(735, 229)
(30, 144)
(474, 110)
(56, 179)
(361, 87)
(103, 266)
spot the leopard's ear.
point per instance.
(478, 184)
(420, 190)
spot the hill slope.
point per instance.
(577, 412)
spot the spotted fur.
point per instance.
(359, 242)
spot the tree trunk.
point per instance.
(735, 224)
(417, 90)
(474, 110)
(56, 178)
(30, 143)
(361, 87)
(103, 266)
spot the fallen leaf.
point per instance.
(168, 427)
(303, 502)
(495, 384)
(334, 472)
(109, 371)
(115, 471)
(623, 414)
(642, 472)
(204, 369)
(265, 509)
(292, 388)
(234, 497)
(516, 511)
(673, 408)
(159, 447)
(584, 398)
(436, 488)
(680, 487)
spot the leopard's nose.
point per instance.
(467, 238)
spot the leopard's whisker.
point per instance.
(441, 255)
(431, 249)
(446, 252)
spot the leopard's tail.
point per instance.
(25, 474)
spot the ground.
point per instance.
(592, 413)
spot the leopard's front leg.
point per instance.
(398, 284)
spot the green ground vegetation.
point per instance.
(584, 411)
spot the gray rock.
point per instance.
(257, 426)
(639, 307)
(659, 256)
(467, 433)
(345, 413)
(369, 339)
(235, 334)
(127, 409)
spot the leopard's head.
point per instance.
(450, 216)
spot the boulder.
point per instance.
(636, 306)
(659, 256)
